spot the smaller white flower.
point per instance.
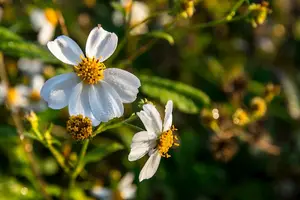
(44, 21)
(156, 140)
(30, 66)
(137, 12)
(126, 189)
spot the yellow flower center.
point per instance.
(79, 127)
(35, 95)
(167, 140)
(12, 96)
(51, 16)
(90, 70)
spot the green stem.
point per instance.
(80, 164)
(59, 158)
(106, 126)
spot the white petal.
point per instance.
(150, 167)
(168, 115)
(139, 30)
(79, 103)
(57, 90)
(118, 18)
(101, 44)
(66, 50)
(105, 102)
(155, 117)
(37, 18)
(139, 149)
(143, 136)
(125, 83)
(148, 123)
(46, 33)
(126, 181)
(37, 82)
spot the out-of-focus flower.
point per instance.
(259, 13)
(258, 106)
(240, 117)
(30, 66)
(91, 90)
(15, 97)
(44, 21)
(36, 102)
(79, 127)
(164, 19)
(125, 190)
(156, 140)
(135, 12)
(90, 3)
(189, 9)
(266, 45)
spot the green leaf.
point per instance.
(186, 98)
(162, 35)
(8, 133)
(117, 6)
(13, 45)
(101, 151)
(7, 35)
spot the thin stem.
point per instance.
(106, 126)
(80, 164)
(61, 21)
(59, 158)
(26, 144)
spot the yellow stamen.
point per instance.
(51, 16)
(90, 70)
(167, 140)
(79, 127)
(12, 96)
(35, 95)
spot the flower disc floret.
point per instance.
(167, 140)
(51, 16)
(90, 70)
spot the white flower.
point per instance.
(126, 189)
(91, 90)
(44, 21)
(156, 140)
(137, 12)
(34, 94)
(30, 66)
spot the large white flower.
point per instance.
(44, 21)
(91, 90)
(136, 12)
(156, 140)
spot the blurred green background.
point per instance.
(226, 65)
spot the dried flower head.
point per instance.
(223, 148)
(79, 127)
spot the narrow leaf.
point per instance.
(162, 35)
(186, 98)
(101, 151)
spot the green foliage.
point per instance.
(162, 35)
(101, 151)
(186, 98)
(13, 45)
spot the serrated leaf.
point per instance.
(162, 35)
(101, 151)
(186, 98)
(13, 45)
